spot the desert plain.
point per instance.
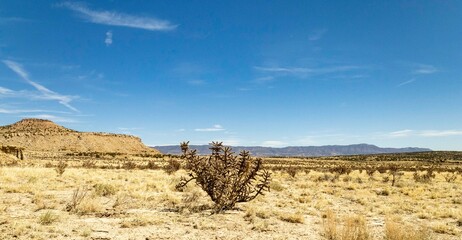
(84, 194)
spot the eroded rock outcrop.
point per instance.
(45, 135)
(18, 152)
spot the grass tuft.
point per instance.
(47, 218)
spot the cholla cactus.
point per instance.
(227, 178)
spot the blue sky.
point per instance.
(268, 73)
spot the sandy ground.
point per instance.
(143, 204)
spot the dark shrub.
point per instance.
(227, 178)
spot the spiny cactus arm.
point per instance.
(227, 157)
(217, 148)
(258, 189)
(243, 162)
(246, 175)
(192, 160)
(184, 147)
(183, 182)
(264, 184)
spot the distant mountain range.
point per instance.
(309, 151)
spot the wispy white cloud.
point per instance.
(119, 19)
(318, 34)
(13, 20)
(422, 69)
(215, 128)
(17, 68)
(301, 72)
(399, 134)
(47, 94)
(52, 118)
(298, 70)
(5, 91)
(264, 79)
(419, 70)
(55, 66)
(291, 70)
(351, 76)
(443, 133)
(423, 133)
(108, 40)
(19, 111)
(8, 93)
(406, 82)
(273, 143)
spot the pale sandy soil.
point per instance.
(143, 204)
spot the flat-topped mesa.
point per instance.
(45, 135)
(33, 126)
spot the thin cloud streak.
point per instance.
(401, 133)
(113, 18)
(300, 72)
(292, 70)
(18, 111)
(13, 20)
(264, 79)
(5, 91)
(215, 128)
(406, 82)
(423, 69)
(47, 94)
(297, 70)
(423, 133)
(273, 143)
(444, 133)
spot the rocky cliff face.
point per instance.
(45, 135)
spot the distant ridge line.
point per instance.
(301, 151)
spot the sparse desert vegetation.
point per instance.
(317, 198)
(230, 120)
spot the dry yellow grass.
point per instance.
(396, 229)
(143, 204)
